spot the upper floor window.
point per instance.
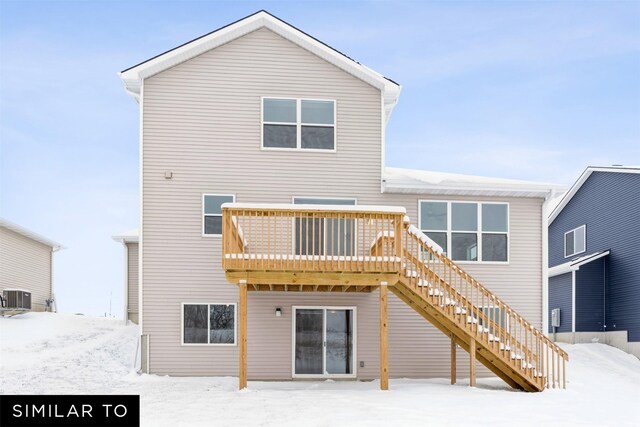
(575, 241)
(468, 231)
(296, 124)
(212, 212)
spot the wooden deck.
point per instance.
(315, 248)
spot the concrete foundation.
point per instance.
(616, 339)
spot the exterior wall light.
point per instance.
(278, 312)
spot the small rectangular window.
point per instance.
(209, 324)
(433, 216)
(464, 246)
(212, 212)
(303, 124)
(280, 111)
(575, 241)
(222, 324)
(195, 323)
(464, 216)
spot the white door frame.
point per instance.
(354, 341)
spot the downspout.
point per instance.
(54, 305)
(573, 306)
(604, 295)
(545, 262)
(126, 282)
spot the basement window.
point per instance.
(209, 324)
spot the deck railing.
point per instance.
(327, 238)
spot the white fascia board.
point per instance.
(133, 77)
(131, 236)
(560, 269)
(55, 246)
(473, 190)
(582, 179)
(575, 264)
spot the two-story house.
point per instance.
(271, 229)
(594, 274)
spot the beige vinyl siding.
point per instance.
(132, 282)
(201, 120)
(25, 264)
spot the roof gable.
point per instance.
(582, 179)
(133, 76)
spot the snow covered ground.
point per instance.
(63, 354)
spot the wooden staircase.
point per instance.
(475, 319)
(355, 249)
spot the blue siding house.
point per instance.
(594, 259)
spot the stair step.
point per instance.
(449, 302)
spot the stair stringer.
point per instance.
(485, 355)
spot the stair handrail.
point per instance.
(541, 343)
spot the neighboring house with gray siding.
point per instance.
(259, 111)
(594, 274)
(129, 240)
(26, 263)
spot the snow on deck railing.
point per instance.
(306, 237)
(425, 239)
(325, 208)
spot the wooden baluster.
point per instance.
(564, 374)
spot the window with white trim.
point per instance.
(209, 324)
(298, 124)
(212, 212)
(575, 241)
(468, 231)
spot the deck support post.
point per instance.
(384, 344)
(472, 363)
(453, 359)
(242, 285)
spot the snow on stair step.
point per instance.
(435, 292)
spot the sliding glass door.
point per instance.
(324, 342)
